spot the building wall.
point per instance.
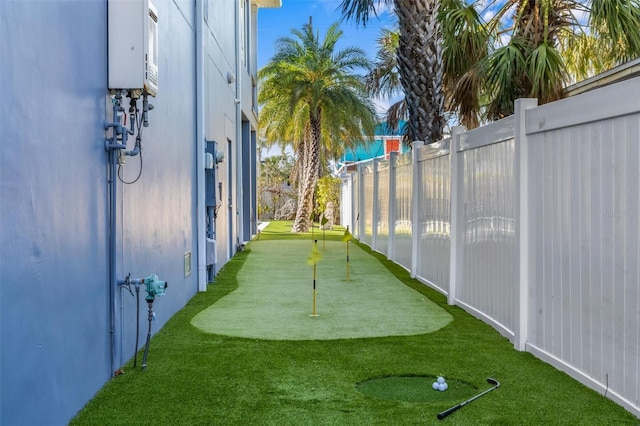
(54, 265)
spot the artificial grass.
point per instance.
(199, 378)
(416, 389)
(275, 301)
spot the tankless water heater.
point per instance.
(133, 45)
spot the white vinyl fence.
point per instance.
(532, 224)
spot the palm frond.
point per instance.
(384, 79)
(618, 21)
(395, 114)
(360, 10)
(547, 73)
(505, 70)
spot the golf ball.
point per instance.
(442, 387)
(441, 380)
(436, 386)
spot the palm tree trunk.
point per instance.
(421, 68)
(309, 177)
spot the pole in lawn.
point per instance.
(323, 222)
(346, 238)
(313, 259)
(311, 219)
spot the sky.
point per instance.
(276, 23)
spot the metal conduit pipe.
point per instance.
(113, 161)
(201, 218)
(115, 145)
(238, 217)
(112, 146)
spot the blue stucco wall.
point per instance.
(53, 262)
(55, 340)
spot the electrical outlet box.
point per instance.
(133, 45)
(208, 161)
(187, 264)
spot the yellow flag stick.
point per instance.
(346, 238)
(314, 313)
(348, 278)
(311, 219)
(323, 222)
(313, 259)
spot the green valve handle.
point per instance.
(155, 287)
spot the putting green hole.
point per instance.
(410, 388)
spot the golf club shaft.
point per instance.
(455, 408)
(445, 413)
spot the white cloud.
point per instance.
(488, 15)
(383, 8)
(480, 5)
(383, 104)
(582, 16)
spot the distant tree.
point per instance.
(274, 183)
(328, 190)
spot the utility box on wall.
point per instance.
(210, 176)
(133, 45)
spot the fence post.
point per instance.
(415, 206)
(375, 205)
(393, 158)
(352, 203)
(360, 216)
(346, 201)
(456, 223)
(521, 172)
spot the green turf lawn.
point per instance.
(195, 377)
(274, 305)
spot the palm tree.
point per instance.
(419, 56)
(465, 42)
(383, 81)
(546, 45)
(311, 96)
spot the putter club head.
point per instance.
(493, 382)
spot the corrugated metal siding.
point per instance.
(434, 215)
(489, 275)
(586, 300)
(402, 216)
